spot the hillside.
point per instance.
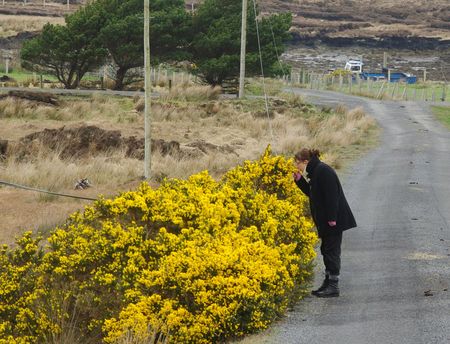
(349, 19)
(415, 32)
(338, 21)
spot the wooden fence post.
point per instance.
(381, 90)
(394, 90)
(404, 95)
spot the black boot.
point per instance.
(332, 290)
(323, 286)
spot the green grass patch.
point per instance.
(255, 87)
(442, 113)
(24, 76)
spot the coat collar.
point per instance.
(312, 164)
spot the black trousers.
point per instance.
(331, 252)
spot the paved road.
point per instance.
(400, 194)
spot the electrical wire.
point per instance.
(266, 101)
(18, 186)
(279, 59)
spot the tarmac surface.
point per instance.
(396, 265)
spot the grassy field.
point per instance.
(442, 113)
(208, 133)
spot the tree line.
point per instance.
(111, 31)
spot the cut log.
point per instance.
(43, 97)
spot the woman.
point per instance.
(330, 212)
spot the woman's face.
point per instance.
(301, 164)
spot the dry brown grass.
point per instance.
(11, 25)
(213, 135)
(49, 172)
(97, 107)
(191, 93)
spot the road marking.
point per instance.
(424, 256)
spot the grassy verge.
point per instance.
(442, 113)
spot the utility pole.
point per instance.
(148, 84)
(243, 46)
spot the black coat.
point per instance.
(326, 198)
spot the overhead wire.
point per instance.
(278, 56)
(18, 186)
(266, 100)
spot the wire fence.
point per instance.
(378, 89)
(62, 4)
(101, 79)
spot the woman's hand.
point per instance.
(296, 176)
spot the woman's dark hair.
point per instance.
(307, 154)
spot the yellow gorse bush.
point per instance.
(193, 261)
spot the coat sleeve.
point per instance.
(330, 192)
(303, 185)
